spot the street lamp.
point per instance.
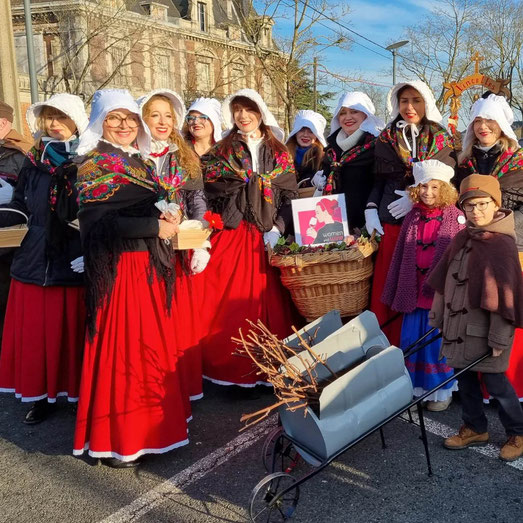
(392, 48)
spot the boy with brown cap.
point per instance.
(478, 304)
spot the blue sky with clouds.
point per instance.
(383, 21)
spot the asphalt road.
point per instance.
(211, 479)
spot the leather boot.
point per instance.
(466, 437)
(39, 412)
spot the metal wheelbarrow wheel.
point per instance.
(278, 453)
(267, 504)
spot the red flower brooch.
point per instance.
(214, 220)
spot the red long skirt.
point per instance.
(131, 399)
(381, 269)
(240, 285)
(515, 366)
(189, 328)
(43, 341)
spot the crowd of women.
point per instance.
(102, 309)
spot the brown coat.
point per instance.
(469, 333)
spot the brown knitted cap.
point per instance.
(480, 185)
(6, 111)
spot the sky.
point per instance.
(383, 21)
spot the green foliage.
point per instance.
(305, 98)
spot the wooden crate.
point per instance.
(190, 239)
(12, 236)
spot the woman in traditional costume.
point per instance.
(249, 180)
(131, 400)
(306, 143)
(414, 134)
(44, 328)
(178, 166)
(491, 148)
(203, 125)
(348, 166)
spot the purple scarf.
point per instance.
(400, 292)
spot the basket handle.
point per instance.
(17, 211)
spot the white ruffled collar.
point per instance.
(129, 149)
(159, 146)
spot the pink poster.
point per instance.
(320, 220)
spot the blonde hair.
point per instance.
(187, 157)
(504, 141)
(313, 157)
(46, 111)
(448, 195)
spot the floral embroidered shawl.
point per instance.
(432, 140)
(237, 193)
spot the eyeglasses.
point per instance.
(194, 119)
(480, 206)
(57, 117)
(114, 121)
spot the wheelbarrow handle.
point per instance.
(390, 320)
(412, 345)
(415, 349)
(453, 377)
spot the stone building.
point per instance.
(196, 47)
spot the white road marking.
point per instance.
(207, 464)
(195, 472)
(439, 429)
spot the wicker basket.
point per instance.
(13, 236)
(306, 192)
(321, 282)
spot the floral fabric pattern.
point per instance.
(103, 174)
(508, 161)
(345, 158)
(220, 167)
(431, 140)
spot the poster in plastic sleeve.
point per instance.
(320, 220)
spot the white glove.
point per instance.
(402, 206)
(272, 237)
(200, 259)
(165, 207)
(319, 180)
(6, 192)
(372, 222)
(77, 265)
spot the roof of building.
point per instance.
(138, 6)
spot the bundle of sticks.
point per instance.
(296, 388)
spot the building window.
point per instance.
(22, 62)
(204, 75)
(202, 16)
(238, 76)
(267, 86)
(163, 77)
(119, 57)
